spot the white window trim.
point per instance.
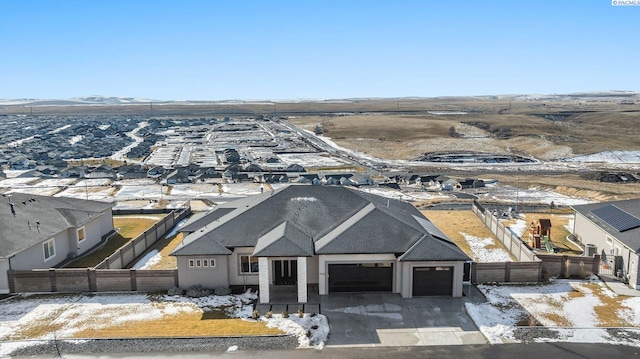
(84, 234)
(51, 245)
(249, 258)
(199, 263)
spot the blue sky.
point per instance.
(214, 50)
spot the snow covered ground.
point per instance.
(562, 311)
(501, 193)
(73, 313)
(482, 254)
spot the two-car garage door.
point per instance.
(361, 277)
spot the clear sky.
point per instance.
(270, 49)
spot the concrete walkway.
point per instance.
(385, 319)
(618, 287)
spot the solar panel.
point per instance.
(617, 218)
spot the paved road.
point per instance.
(520, 351)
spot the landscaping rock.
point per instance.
(175, 291)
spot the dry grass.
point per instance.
(454, 223)
(103, 323)
(608, 311)
(165, 246)
(129, 227)
(183, 325)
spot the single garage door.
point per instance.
(432, 281)
(361, 277)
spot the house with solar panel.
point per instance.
(612, 229)
(323, 239)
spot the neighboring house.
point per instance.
(311, 178)
(43, 232)
(614, 229)
(19, 162)
(471, 183)
(361, 180)
(335, 239)
(178, 176)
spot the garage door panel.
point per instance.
(360, 278)
(432, 281)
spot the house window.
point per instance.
(248, 264)
(49, 249)
(202, 263)
(80, 234)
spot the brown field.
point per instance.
(454, 223)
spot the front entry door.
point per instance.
(285, 272)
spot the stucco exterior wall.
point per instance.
(235, 277)
(33, 257)
(205, 276)
(4, 281)
(590, 233)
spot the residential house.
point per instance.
(471, 183)
(295, 168)
(43, 232)
(612, 229)
(309, 178)
(180, 175)
(19, 162)
(156, 171)
(335, 239)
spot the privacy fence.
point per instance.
(69, 280)
(531, 266)
(130, 251)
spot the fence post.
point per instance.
(93, 282)
(507, 271)
(132, 276)
(52, 280)
(595, 265)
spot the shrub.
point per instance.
(222, 291)
(197, 291)
(285, 314)
(255, 314)
(300, 313)
(175, 291)
(268, 315)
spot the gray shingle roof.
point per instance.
(202, 220)
(430, 248)
(205, 245)
(336, 219)
(284, 240)
(630, 237)
(54, 215)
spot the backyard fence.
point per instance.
(506, 272)
(510, 240)
(73, 280)
(531, 266)
(130, 251)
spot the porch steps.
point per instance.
(292, 309)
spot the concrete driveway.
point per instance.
(386, 319)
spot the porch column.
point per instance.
(263, 279)
(302, 279)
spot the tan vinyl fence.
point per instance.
(74, 280)
(130, 251)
